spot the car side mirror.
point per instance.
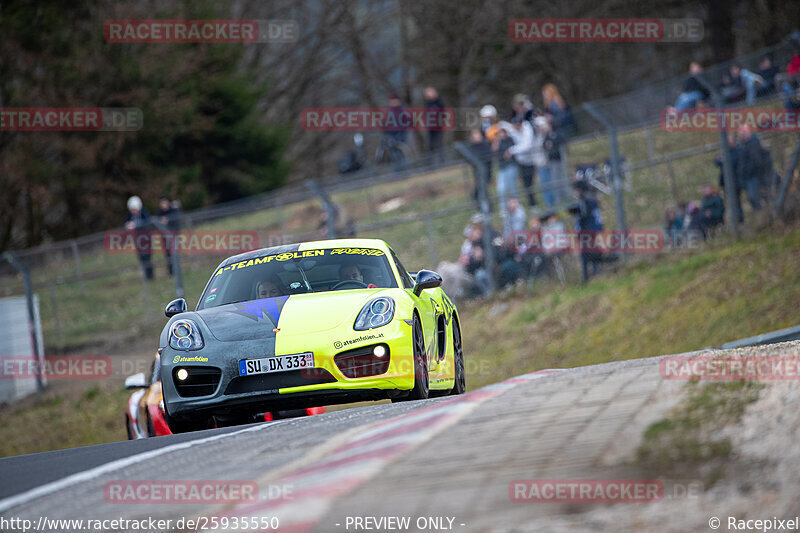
(426, 279)
(136, 381)
(175, 307)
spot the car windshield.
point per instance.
(287, 273)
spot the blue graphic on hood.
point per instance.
(265, 308)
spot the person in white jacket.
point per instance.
(521, 132)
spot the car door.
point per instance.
(429, 310)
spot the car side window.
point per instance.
(408, 283)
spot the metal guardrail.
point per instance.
(782, 335)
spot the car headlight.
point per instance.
(375, 313)
(185, 335)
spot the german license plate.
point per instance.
(277, 363)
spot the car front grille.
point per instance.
(279, 380)
(202, 381)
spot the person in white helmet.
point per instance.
(138, 220)
(488, 119)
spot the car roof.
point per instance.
(310, 245)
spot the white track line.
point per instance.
(86, 475)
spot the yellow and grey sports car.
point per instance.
(304, 325)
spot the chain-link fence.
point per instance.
(88, 295)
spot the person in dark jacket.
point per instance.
(587, 219)
(168, 216)
(481, 148)
(693, 90)
(434, 103)
(712, 208)
(750, 168)
(732, 88)
(138, 221)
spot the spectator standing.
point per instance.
(558, 112)
(587, 219)
(168, 216)
(750, 168)
(400, 115)
(551, 144)
(507, 168)
(542, 162)
(482, 149)
(433, 103)
(138, 221)
(521, 132)
(488, 121)
(522, 107)
(693, 90)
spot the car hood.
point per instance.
(296, 314)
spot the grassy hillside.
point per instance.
(671, 304)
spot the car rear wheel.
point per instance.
(460, 385)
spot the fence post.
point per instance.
(787, 179)
(330, 208)
(78, 271)
(622, 224)
(54, 304)
(38, 351)
(483, 201)
(727, 163)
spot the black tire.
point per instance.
(128, 427)
(421, 390)
(460, 385)
(151, 430)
